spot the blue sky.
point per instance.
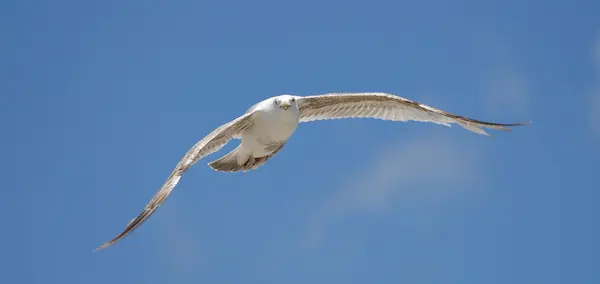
(100, 100)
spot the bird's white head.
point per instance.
(286, 102)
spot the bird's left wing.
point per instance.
(387, 107)
(208, 145)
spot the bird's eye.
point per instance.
(275, 101)
(293, 99)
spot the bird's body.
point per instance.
(266, 127)
(272, 127)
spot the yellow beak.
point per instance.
(285, 106)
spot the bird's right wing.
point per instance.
(208, 145)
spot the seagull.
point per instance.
(266, 126)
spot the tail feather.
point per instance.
(227, 163)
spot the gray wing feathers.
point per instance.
(209, 144)
(386, 107)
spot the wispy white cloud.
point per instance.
(507, 89)
(506, 86)
(182, 251)
(596, 51)
(595, 96)
(595, 112)
(424, 167)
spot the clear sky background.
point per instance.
(99, 101)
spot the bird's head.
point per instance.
(286, 102)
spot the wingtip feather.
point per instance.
(103, 246)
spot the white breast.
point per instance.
(270, 126)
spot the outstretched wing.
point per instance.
(387, 107)
(208, 145)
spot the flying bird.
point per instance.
(266, 126)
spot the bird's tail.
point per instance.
(227, 163)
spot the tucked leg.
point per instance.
(261, 160)
(248, 164)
